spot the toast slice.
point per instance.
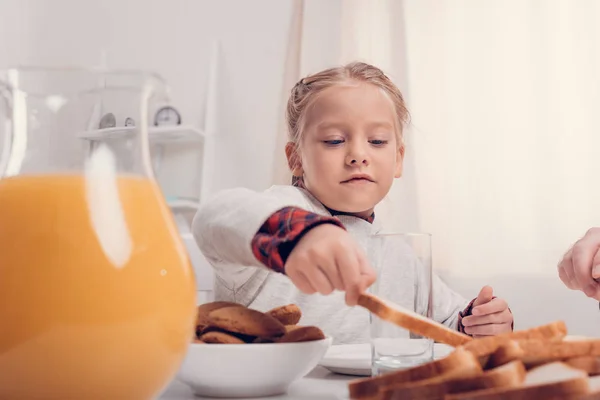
(484, 347)
(412, 321)
(589, 396)
(590, 364)
(594, 393)
(365, 388)
(462, 379)
(506, 353)
(536, 352)
(475, 349)
(555, 380)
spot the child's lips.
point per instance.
(357, 181)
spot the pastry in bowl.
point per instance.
(242, 352)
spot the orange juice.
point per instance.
(73, 325)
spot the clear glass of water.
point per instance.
(404, 277)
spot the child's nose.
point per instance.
(356, 158)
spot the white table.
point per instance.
(320, 384)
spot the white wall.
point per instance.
(173, 38)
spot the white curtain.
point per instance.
(281, 172)
(505, 97)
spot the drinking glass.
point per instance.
(403, 264)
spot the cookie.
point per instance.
(287, 315)
(289, 328)
(220, 338)
(204, 309)
(246, 321)
(302, 334)
(263, 340)
(244, 338)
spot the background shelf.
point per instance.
(160, 134)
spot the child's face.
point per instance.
(350, 133)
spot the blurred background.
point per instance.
(502, 163)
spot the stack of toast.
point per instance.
(222, 322)
(538, 363)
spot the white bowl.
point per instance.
(249, 370)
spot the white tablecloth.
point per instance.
(320, 384)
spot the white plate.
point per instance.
(355, 359)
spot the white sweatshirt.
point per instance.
(226, 224)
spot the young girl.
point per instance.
(311, 243)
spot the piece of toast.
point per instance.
(549, 381)
(461, 379)
(505, 353)
(412, 321)
(484, 347)
(594, 391)
(369, 387)
(481, 349)
(537, 352)
(429, 388)
(537, 363)
(590, 364)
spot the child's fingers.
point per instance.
(494, 306)
(319, 280)
(350, 274)
(343, 262)
(487, 330)
(367, 274)
(565, 271)
(596, 266)
(363, 276)
(486, 294)
(301, 282)
(583, 255)
(496, 318)
(352, 293)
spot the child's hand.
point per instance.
(489, 316)
(328, 258)
(580, 267)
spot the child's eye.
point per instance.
(333, 142)
(378, 142)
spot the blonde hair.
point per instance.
(307, 90)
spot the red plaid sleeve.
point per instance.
(277, 237)
(467, 311)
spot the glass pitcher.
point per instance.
(97, 296)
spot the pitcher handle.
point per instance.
(6, 127)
